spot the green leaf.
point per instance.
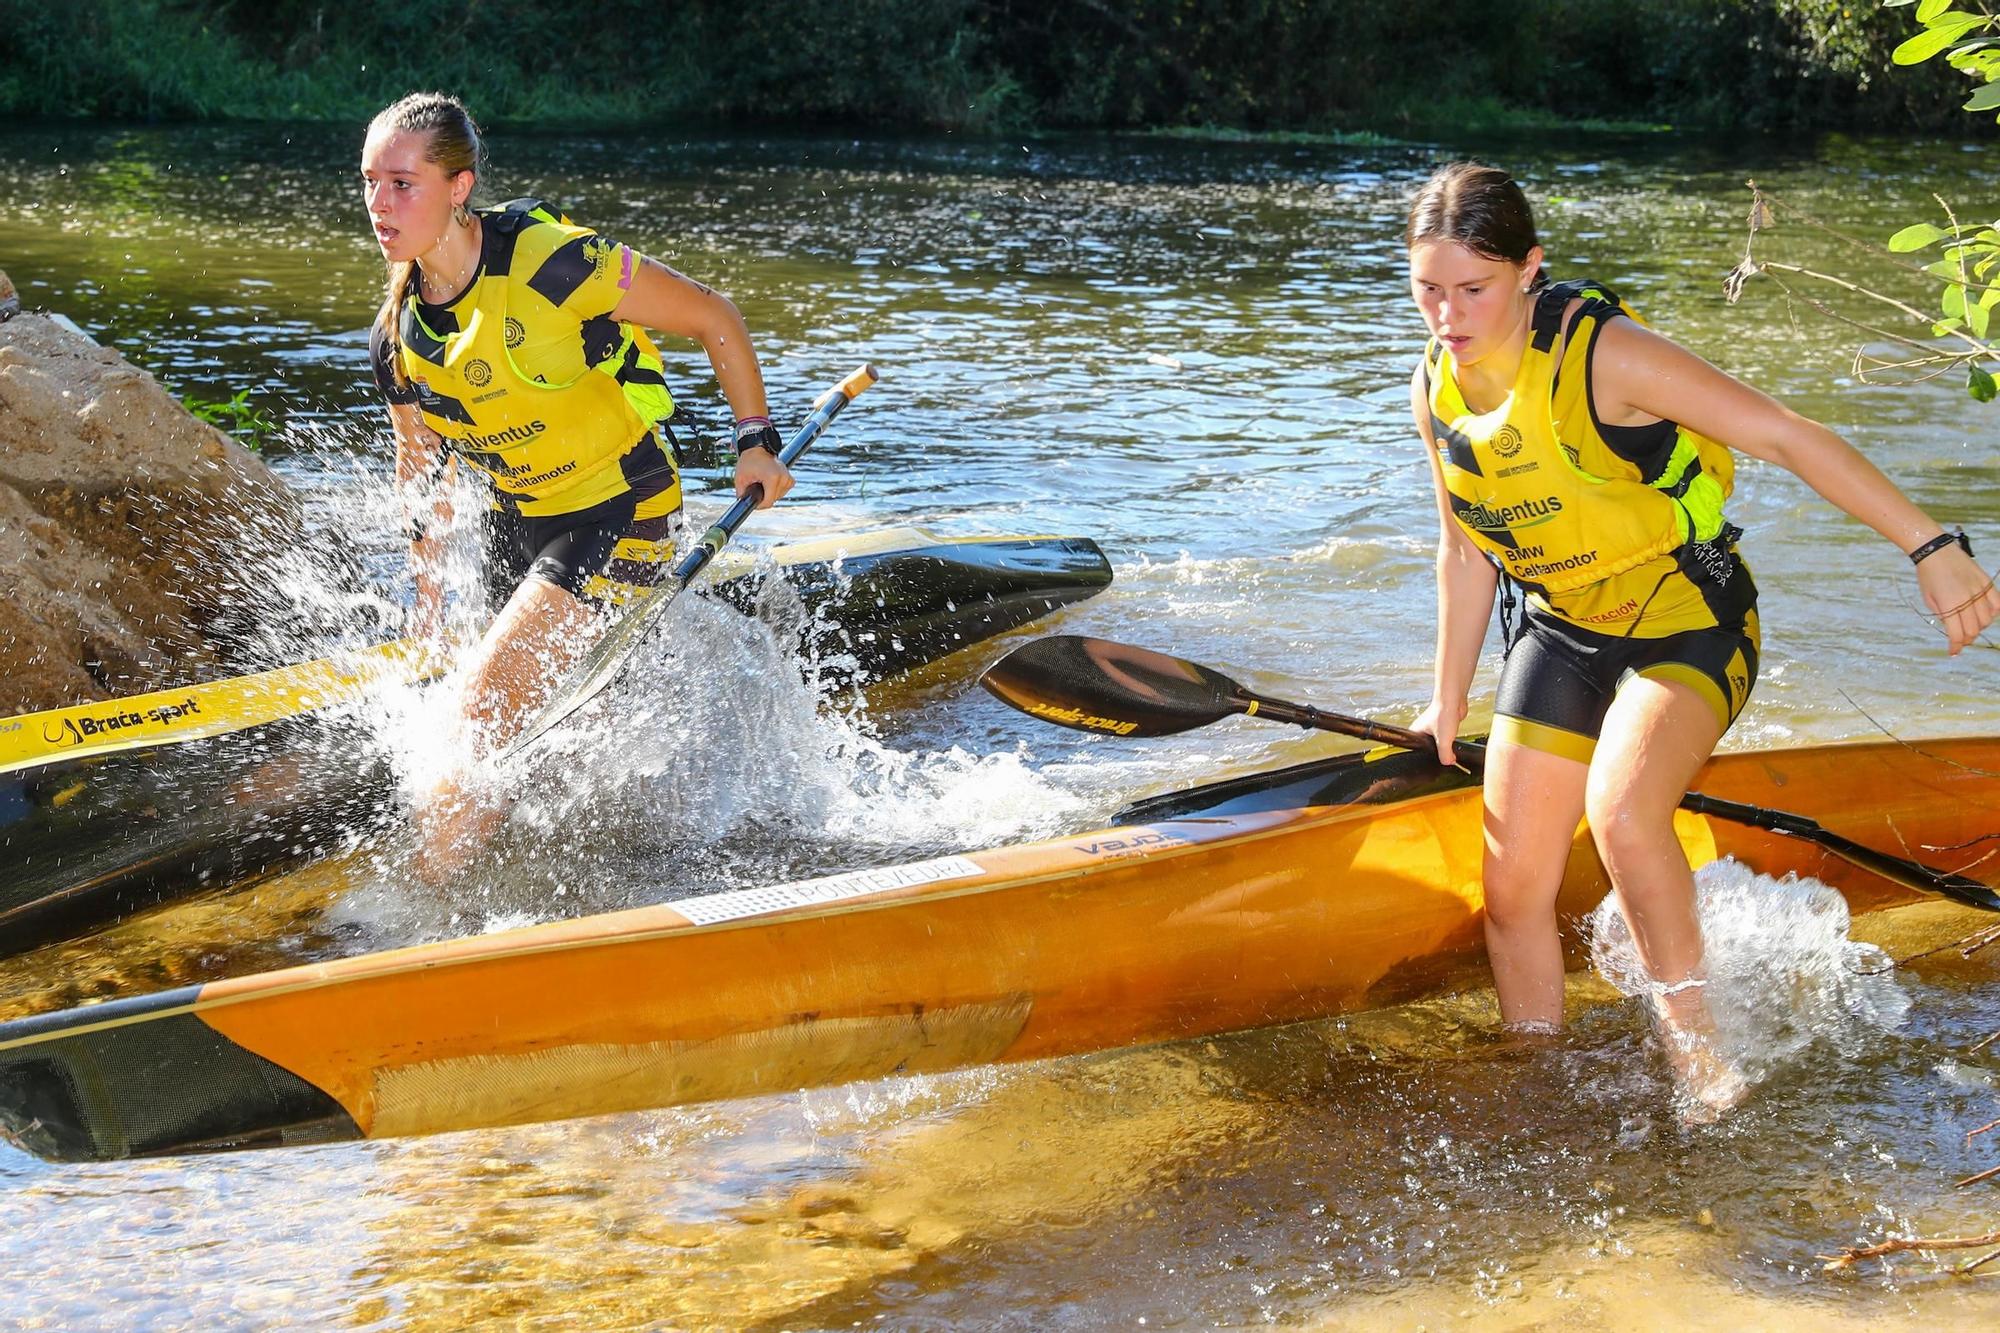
(1986, 99)
(1944, 326)
(1977, 315)
(1980, 384)
(1945, 16)
(1953, 302)
(1930, 9)
(1943, 268)
(1934, 39)
(1916, 236)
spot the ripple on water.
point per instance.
(1265, 503)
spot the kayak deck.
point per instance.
(1328, 887)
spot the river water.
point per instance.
(1199, 354)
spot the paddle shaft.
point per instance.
(1305, 715)
(1472, 755)
(825, 408)
(616, 646)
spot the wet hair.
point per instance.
(452, 141)
(1480, 208)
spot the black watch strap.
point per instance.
(1938, 543)
(764, 437)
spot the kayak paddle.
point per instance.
(608, 656)
(1121, 690)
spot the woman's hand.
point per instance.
(1440, 721)
(760, 467)
(1958, 591)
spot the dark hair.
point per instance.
(1479, 207)
(452, 143)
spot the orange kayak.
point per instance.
(1338, 885)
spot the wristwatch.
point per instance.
(764, 437)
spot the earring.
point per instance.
(462, 215)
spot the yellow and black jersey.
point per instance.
(1614, 529)
(527, 375)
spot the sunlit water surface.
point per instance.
(1198, 354)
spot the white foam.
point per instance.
(1782, 972)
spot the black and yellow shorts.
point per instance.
(1559, 679)
(600, 554)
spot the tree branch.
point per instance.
(1902, 1245)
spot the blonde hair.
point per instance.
(452, 142)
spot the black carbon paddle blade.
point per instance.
(1112, 688)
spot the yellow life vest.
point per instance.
(1603, 538)
(539, 387)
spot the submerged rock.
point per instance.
(136, 541)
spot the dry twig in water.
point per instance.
(1905, 1244)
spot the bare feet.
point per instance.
(1710, 1086)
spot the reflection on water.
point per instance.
(1199, 355)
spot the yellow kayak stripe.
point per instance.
(169, 717)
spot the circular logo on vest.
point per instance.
(1507, 442)
(516, 335)
(478, 374)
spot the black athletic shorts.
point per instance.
(598, 554)
(1559, 679)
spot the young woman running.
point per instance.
(511, 339)
(1588, 458)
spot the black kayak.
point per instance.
(109, 807)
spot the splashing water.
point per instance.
(718, 762)
(723, 735)
(713, 764)
(1782, 972)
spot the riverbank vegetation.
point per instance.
(986, 65)
(1964, 333)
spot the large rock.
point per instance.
(135, 540)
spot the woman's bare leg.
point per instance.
(1656, 737)
(538, 636)
(1534, 802)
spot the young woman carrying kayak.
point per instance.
(1588, 458)
(511, 338)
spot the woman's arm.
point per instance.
(674, 303)
(1466, 580)
(1636, 373)
(423, 487)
